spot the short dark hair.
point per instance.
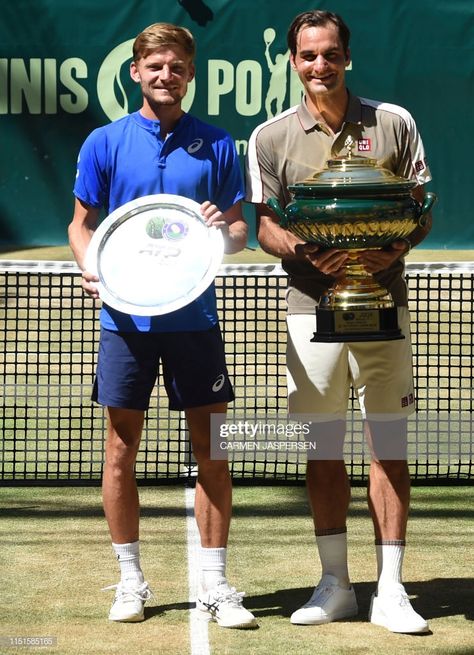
(317, 18)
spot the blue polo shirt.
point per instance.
(127, 159)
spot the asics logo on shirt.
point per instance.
(219, 383)
(195, 146)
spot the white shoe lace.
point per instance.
(403, 600)
(320, 592)
(397, 593)
(230, 596)
(143, 592)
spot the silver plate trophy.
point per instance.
(154, 255)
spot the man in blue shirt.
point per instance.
(161, 149)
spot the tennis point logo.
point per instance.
(50, 84)
(272, 437)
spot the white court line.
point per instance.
(199, 635)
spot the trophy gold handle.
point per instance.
(275, 205)
(425, 207)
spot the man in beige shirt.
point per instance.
(285, 150)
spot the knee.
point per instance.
(395, 470)
(326, 472)
(202, 453)
(120, 454)
(212, 469)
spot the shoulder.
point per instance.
(109, 132)
(393, 112)
(210, 131)
(275, 125)
(273, 131)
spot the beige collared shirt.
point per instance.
(294, 145)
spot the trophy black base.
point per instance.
(337, 325)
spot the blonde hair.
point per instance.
(160, 35)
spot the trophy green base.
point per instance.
(337, 325)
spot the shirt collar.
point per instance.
(309, 122)
(148, 124)
(153, 126)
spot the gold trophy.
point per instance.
(353, 204)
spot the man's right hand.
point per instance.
(330, 262)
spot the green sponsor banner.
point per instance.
(64, 71)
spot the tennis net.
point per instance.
(52, 433)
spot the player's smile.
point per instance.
(320, 60)
(163, 75)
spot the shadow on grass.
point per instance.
(159, 610)
(432, 599)
(440, 597)
(292, 509)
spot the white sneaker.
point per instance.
(129, 602)
(392, 610)
(223, 604)
(329, 602)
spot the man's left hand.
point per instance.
(375, 261)
(213, 216)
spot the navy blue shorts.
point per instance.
(193, 367)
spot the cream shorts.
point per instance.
(320, 375)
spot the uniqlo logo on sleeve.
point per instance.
(363, 145)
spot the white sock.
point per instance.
(333, 555)
(128, 556)
(389, 563)
(212, 567)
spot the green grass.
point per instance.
(56, 556)
(64, 253)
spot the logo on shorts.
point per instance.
(408, 400)
(219, 383)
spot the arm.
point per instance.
(80, 230)
(232, 224)
(282, 243)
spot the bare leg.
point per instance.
(213, 501)
(327, 482)
(329, 495)
(389, 479)
(389, 499)
(119, 488)
(213, 508)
